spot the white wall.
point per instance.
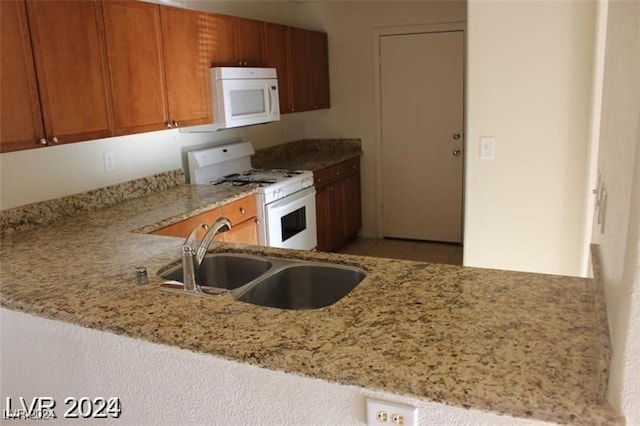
(162, 385)
(619, 164)
(529, 82)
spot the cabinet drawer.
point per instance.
(240, 210)
(183, 228)
(332, 174)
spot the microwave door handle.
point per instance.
(271, 102)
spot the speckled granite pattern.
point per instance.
(33, 215)
(308, 154)
(527, 345)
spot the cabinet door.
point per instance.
(243, 233)
(319, 68)
(134, 49)
(221, 39)
(250, 42)
(277, 56)
(21, 122)
(186, 67)
(69, 53)
(352, 204)
(323, 226)
(299, 70)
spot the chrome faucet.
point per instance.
(214, 229)
(192, 257)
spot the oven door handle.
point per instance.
(292, 198)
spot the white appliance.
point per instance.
(286, 198)
(241, 97)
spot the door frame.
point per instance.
(404, 30)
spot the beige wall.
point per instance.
(351, 27)
(619, 164)
(529, 82)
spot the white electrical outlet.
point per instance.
(487, 148)
(389, 413)
(109, 162)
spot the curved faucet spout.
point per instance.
(214, 229)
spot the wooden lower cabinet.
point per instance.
(241, 213)
(338, 204)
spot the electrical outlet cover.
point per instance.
(381, 413)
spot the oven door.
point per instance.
(291, 221)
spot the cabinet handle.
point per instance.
(176, 124)
(167, 124)
(42, 141)
(243, 210)
(54, 140)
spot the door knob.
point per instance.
(456, 152)
(456, 136)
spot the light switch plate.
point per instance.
(487, 148)
(109, 162)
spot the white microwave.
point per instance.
(241, 97)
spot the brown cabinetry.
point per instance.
(276, 38)
(309, 70)
(242, 214)
(88, 69)
(234, 41)
(158, 77)
(65, 97)
(338, 204)
(186, 67)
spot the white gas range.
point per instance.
(286, 198)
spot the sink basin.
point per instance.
(304, 286)
(224, 270)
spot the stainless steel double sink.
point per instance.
(274, 282)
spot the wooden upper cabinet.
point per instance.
(250, 42)
(319, 68)
(309, 68)
(136, 63)
(300, 70)
(277, 56)
(20, 117)
(234, 41)
(186, 67)
(72, 93)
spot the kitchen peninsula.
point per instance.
(525, 345)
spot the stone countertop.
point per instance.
(527, 345)
(308, 154)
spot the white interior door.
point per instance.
(422, 101)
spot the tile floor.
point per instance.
(408, 250)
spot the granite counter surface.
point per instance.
(526, 345)
(308, 154)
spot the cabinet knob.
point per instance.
(337, 173)
(243, 210)
(54, 140)
(167, 124)
(176, 124)
(456, 136)
(42, 141)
